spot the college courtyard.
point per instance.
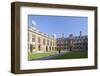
(44, 47)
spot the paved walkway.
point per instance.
(52, 57)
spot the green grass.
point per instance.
(32, 56)
(73, 55)
(68, 55)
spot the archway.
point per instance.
(46, 48)
(39, 47)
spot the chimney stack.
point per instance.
(71, 35)
(80, 33)
(62, 35)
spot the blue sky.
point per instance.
(59, 24)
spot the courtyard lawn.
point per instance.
(34, 56)
(66, 55)
(74, 55)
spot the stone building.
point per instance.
(39, 42)
(73, 43)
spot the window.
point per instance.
(33, 47)
(44, 41)
(51, 43)
(39, 40)
(33, 38)
(48, 42)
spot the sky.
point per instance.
(59, 24)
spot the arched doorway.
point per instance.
(52, 48)
(49, 48)
(39, 47)
(46, 48)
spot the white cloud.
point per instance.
(34, 23)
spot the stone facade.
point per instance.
(73, 43)
(39, 42)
